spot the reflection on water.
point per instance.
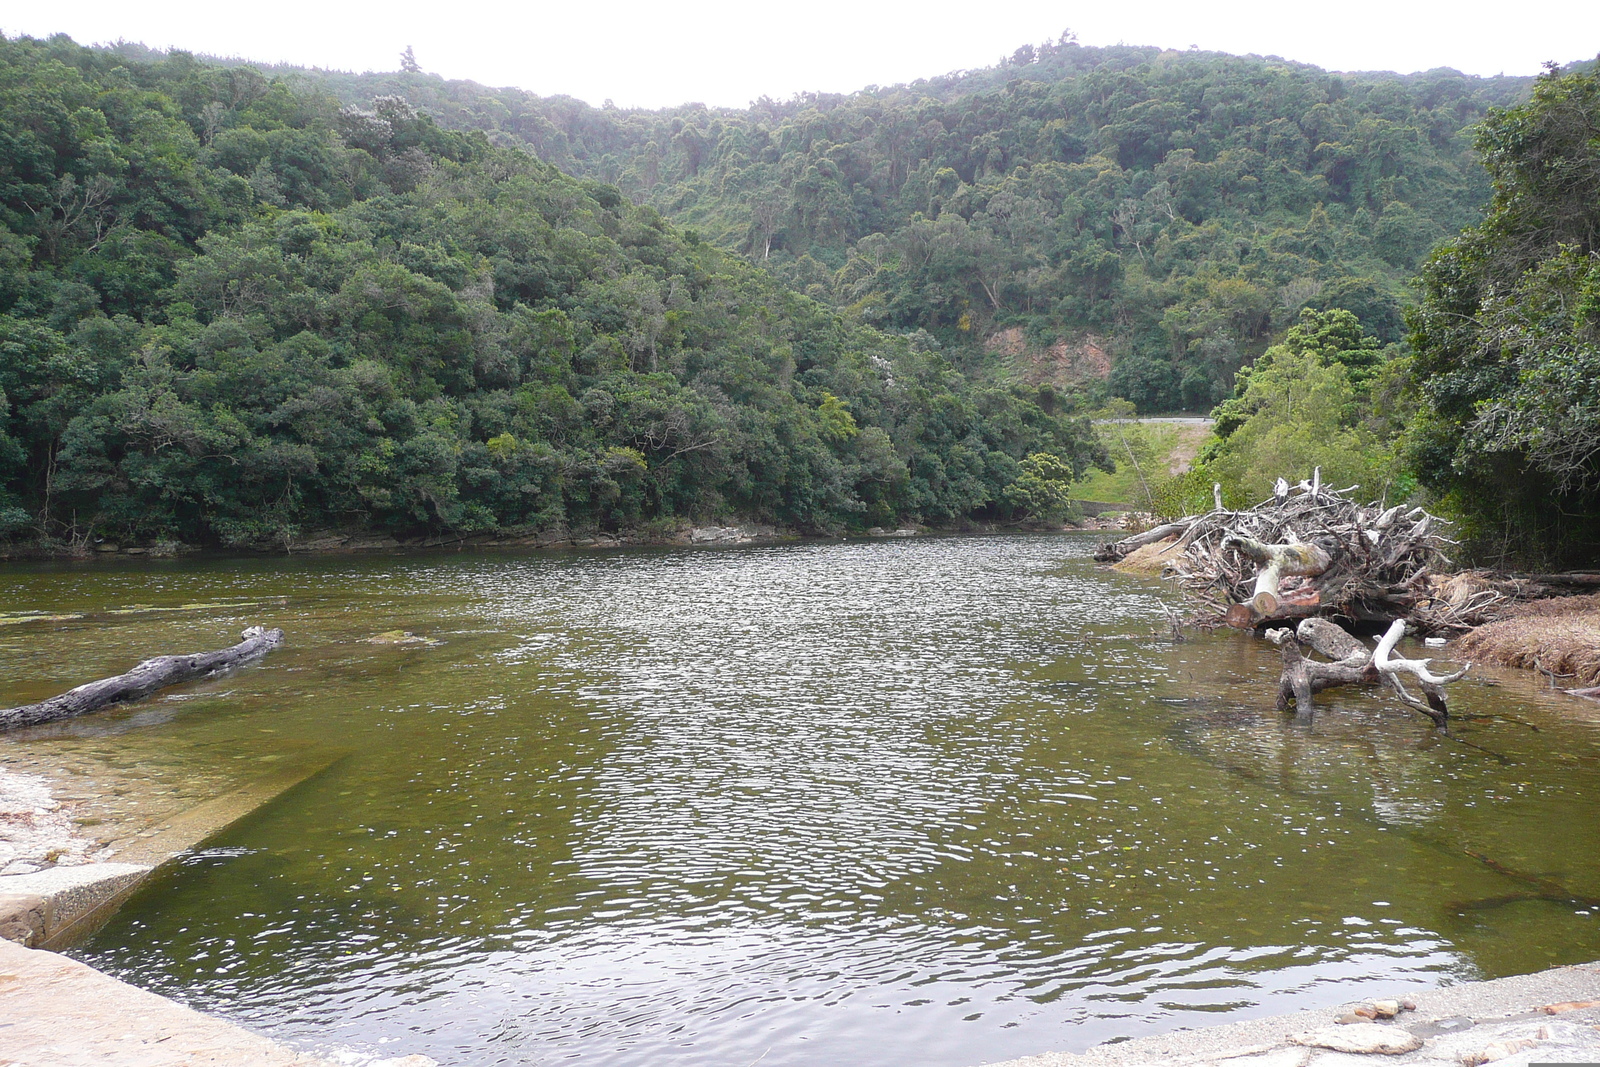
(938, 801)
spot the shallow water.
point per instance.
(938, 801)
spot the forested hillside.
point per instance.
(1167, 213)
(234, 311)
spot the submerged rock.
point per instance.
(401, 637)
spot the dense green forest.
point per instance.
(1507, 336)
(1164, 213)
(234, 311)
(240, 304)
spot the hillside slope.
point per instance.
(1175, 209)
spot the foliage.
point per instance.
(1189, 493)
(1181, 207)
(234, 311)
(1140, 451)
(1296, 418)
(1507, 336)
(1325, 396)
(1041, 491)
(1330, 337)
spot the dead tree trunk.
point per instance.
(1303, 678)
(1354, 664)
(1295, 559)
(146, 678)
(1111, 553)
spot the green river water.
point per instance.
(935, 801)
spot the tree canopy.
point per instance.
(1507, 335)
(233, 310)
(1176, 210)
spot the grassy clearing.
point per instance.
(1147, 454)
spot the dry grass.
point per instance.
(1149, 559)
(1559, 636)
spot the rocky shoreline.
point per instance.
(341, 542)
(1548, 1017)
(334, 542)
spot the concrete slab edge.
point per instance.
(60, 906)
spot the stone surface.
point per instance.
(401, 637)
(36, 830)
(1283, 1057)
(1451, 1024)
(743, 534)
(22, 918)
(1361, 1037)
(56, 1012)
(49, 906)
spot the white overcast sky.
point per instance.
(656, 54)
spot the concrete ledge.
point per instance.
(57, 1012)
(57, 907)
(49, 908)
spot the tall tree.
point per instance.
(1507, 336)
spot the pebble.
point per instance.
(1376, 1009)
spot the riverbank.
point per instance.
(1550, 1017)
(1558, 637)
(1097, 516)
(335, 542)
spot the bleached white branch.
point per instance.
(1387, 663)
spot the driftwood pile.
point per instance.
(1311, 552)
(1314, 551)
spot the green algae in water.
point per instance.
(936, 801)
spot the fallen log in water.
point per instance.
(1354, 664)
(1302, 678)
(146, 678)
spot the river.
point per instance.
(934, 801)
